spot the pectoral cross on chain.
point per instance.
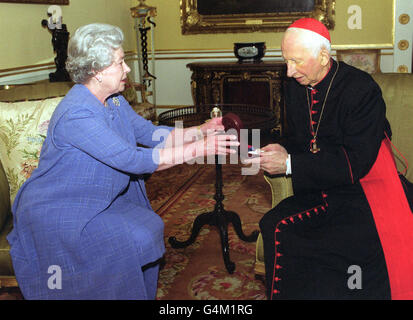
(314, 148)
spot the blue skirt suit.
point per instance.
(84, 211)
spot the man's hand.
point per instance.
(272, 159)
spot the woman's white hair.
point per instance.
(91, 50)
(310, 40)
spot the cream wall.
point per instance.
(24, 42)
(377, 28)
(174, 50)
(403, 36)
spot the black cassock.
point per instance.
(322, 243)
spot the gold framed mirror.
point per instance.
(228, 16)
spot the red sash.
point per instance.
(394, 221)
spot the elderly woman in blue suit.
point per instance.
(83, 225)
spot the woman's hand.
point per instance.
(212, 125)
(212, 144)
(180, 136)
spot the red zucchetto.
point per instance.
(312, 25)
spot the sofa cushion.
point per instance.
(23, 128)
(398, 95)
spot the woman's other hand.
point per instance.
(212, 125)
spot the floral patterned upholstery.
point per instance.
(23, 128)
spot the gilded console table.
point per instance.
(258, 84)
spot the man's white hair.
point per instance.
(310, 40)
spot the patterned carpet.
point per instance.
(197, 272)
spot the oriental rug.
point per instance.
(197, 272)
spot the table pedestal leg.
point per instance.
(219, 218)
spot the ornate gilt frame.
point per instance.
(194, 23)
(63, 2)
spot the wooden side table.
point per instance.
(253, 117)
(240, 83)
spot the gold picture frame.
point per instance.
(192, 22)
(61, 2)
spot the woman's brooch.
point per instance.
(116, 101)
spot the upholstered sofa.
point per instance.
(25, 111)
(397, 90)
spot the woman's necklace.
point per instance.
(314, 148)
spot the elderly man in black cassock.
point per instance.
(346, 233)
